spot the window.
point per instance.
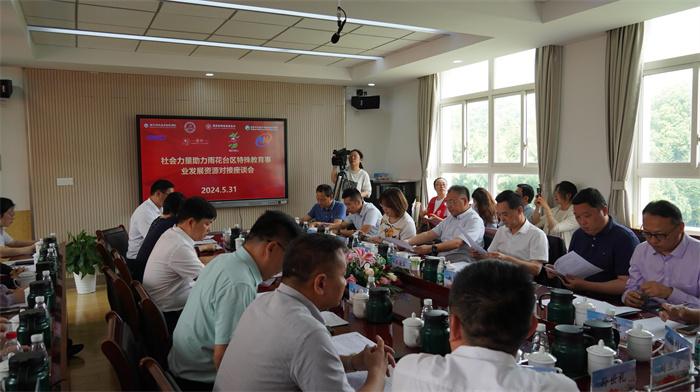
(487, 132)
(667, 156)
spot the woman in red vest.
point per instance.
(437, 209)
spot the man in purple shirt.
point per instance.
(665, 268)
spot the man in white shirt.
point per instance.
(490, 316)
(281, 342)
(364, 216)
(173, 265)
(518, 241)
(145, 214)
(462, 222)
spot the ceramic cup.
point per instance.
(411, 331)
(542, 359)
(639, 343)
(601, 356)
(359, 305)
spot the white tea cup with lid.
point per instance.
(542, 359)
(359, 304)
(601, 356)
(639, 342)
(411, 331)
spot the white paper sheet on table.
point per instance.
(573, 264)
(400, 243)
(350, 343)
(602, 306)
(332, 320)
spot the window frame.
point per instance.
(679, 170)
(491, 168)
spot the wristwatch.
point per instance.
(435, 250)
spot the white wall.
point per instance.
(14, 161)
(368, 129)
(583, 155)
(402, 159)
(387, 136)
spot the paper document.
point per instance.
(403, 245)
(573, 264)
(358, 379)
(332, 320)
(204, 242)
(350, 343)
(472, 244)
(602, 306)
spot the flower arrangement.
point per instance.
(361, 264)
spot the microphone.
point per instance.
(336, 36)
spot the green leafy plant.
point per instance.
(81, 254)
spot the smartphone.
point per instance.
(688, 330)
(539, 190)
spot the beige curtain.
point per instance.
(427, 120)
(623, 79)
(548, 63)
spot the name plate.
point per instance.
(400, 262)
(622, 377)
(670, 368)
(675, 341)
(354, 288)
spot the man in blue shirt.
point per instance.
(602, 242)
(326, 210)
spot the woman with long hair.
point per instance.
(485, 205)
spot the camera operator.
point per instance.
(354, 172)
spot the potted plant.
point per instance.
(82, 259)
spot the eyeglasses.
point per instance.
(657, 236)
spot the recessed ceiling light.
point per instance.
(197, 42)
(371, 84)
(333, 18)
(209, 74)
(456, 61)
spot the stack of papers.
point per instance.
(332, 320)
(351, 343)
(573, 264)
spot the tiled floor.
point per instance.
(90, 370)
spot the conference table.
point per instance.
(409, 300)
(60, 375)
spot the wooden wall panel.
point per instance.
(83, 125)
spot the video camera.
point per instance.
(340, 158)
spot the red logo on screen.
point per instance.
(190, 127)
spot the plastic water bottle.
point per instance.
(40, 304)
(238, 242)
(38, 344)
(441, 272)
(540, 339)
(370, 283)
(427, 307)
(11, 346)
(51, 254)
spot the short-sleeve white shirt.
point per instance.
(402, 229)
(361, 177)
(368, 215)
(473, 369)
(139, 224)
(468, 223)
(281, 344)
(5, 237)
(528, 243)
(171, 270)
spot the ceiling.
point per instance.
(474, 30)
